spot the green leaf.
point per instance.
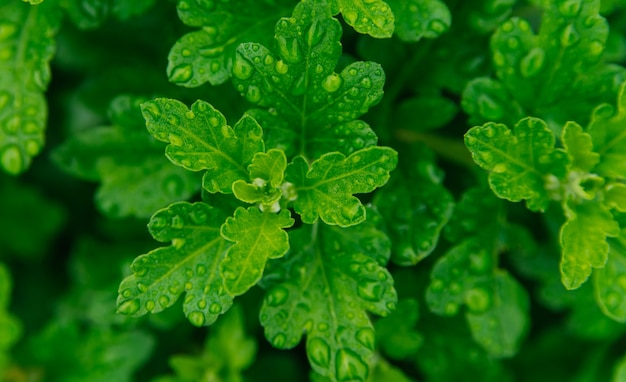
(416, 113)
(258, 236)
(416, 19)
(607, 132)
(267, 172)
(190, 264)
(619, 370)
(373, 17)
(520, 162)
(395, 333)
(200, 139)
(615, 196)
(500, 329)
(383, 371)
(326, 188)
(497, 306)
(227, 352)
(416, 206)
(326, 291)
(299, 85)
(610, 282)
(10, 327)
(27, 45)
(583, 240)
(557, 75)
(579, 147)
(105, 354)
(206, 55)
(136, 179)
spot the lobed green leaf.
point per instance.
(325, 189)
(417, 19)
(610, 282)
(200, 139)
(206, 55)
(373, 17)
(191, 264)
(326, 290)
(258, 236)
(520, 161)
(27, 46)
(300, 87)
(583, 240)
(10, 327)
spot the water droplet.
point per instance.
(512, 42)
(349, 366)
(315, 33)
(279, 340)
(569, 36)
(356, 159)
(164, 301)
(32, 147)
(6, 54)
(532, 63)
(143, 288)
(371, 290)
(200, 270)
(129, 307)
(177, 222)
(455, 287)
(322, 326)
(569, 8)
(596, 48)
(201, 304)
(277, 296)
(366, 82)
(281, 67)
(215, 308)
(451, 309)
(351, 17)
(370, 181)
(358, 143)
(175, 140)
(150, 305)
(181, 73)
(288, 48)
(242, 68)
(332, 82)
(253, 94)
(210, 51)
(298, 87)
(126, 293)
(196, 318)
(7, 30)
(188, 286)
(437, 26)
(477, 300)
(621, 281)
(13, 125)
(507, 26)
(185, 53)
(318, 351)
(367, 338)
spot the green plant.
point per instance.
(340, 178)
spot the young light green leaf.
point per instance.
(373, 17)
(190, 264)
(396, 335)
(10, 327)
(136, 178)
(558, 74)
(416, 206)
(583, 240)
(607, 131)
(501, 328)
(326, 188)
(610, 281)
(619, 370)
(326, 292)
(27, 45)
(200, 139)
(227, 352)
(258, 236)
(579, 147)
(300, 86)
(415, 19)
(267, 172)
(615, 196)
(520, 161)
(33, 2)
(206, 55)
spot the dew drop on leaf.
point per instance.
(569, 8)
(318, 352)
(129, 307)
(253, 94)
(281, 67)
(351, 17)
(569, 36)
(279, 340)
(7, 30)
(242, 68)
(366, 337)
(532, 63)
(370, 290)
(150, 305)
(451, 309)
(277, 296)
(350, 367)
(613, 300)
(288, 48)
(164, 301)
(181, 73)
(477, 300)
(196, 318)
(12, 160)
(437, 26)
